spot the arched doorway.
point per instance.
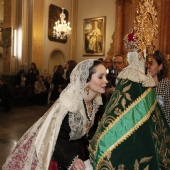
(57, 57)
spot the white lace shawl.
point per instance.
(135, 71)
(35, 148)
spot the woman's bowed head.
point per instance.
(57, 138)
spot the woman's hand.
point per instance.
(78, 164)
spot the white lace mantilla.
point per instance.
(135, 71)
(35, 148)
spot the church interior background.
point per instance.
(30, 19)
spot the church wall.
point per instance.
(91, 9)
(50, 46)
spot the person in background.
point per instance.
(118, 63)
(48, 82)
(56, 140)
(40, 90)
(108, 63)
(71, 64)
(6, 95)
(49, 87)
(65, 67)
(21, 76)
(157, 66)
(54, 70)
(114, 66)
(32, 74)
(57, 81)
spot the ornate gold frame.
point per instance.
(89, 35)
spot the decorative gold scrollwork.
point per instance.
(146, 26)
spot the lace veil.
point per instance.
(35, 147)
(135, 71)
(73, 93)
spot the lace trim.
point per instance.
(35, 148)
(135, 71)
(72, 162)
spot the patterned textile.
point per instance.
(135, 71)
(163, 94)
(133, 133)
(35, 148)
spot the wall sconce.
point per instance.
(15, 43)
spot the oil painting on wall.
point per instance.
(94, 36)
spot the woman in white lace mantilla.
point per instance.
(56, 141)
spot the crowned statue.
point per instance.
(133, 133)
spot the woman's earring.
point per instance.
(87, 91)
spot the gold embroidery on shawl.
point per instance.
(114, 101)
(130, 132)
(117, 97)
(109, 121)
(107, 165)
(161, 143)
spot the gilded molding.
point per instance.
(146, 26)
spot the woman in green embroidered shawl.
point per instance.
(133, 133)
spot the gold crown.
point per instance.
(130, 41)
(145, 29)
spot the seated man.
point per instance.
(5, 95)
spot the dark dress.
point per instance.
(58, 81)
(32, 76)
(67, 150)
(18, 76)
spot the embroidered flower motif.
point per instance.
(117, 111)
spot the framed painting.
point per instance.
(94, 36)
(54, 15)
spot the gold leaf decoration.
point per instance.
(146, 26)
(123, 102)
(136, 165)
(126, 88)
(145, 159)
(147, 167)
(128, 96)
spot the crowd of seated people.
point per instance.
(41, 89)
